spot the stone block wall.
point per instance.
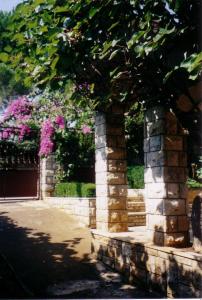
(165, 179)
(174, 273)
(83, 209)
(110, 168)
(47, 176)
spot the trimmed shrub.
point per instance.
(192, 183)
(135, 177)
(74, 189)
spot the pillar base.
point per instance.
(177, 240)
(112, 227)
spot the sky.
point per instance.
(7, 5)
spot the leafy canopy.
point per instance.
(125, 50)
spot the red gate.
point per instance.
(19, 171)
(19, 183)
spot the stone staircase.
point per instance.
(136, 208)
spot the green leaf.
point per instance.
(192, 62)
(135, 38)
(4, 57)
(8, 48)
(113, 54)
(113, 26)
(107, 45)
(38, 2)
(93, 11)
(69, 88)
(19, 37)
(106, 49)
(61, 9)
(114, 42)
(162, 32)
(54, 62)
(113, 72)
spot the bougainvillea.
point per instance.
(24, 130)
(19, 109)
(86, 129)
(6, 133)
(46, 143)
(60, 121)
(22, 114)
(46, 116)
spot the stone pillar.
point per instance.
(47, 176)
(111, 180)
(165, 179)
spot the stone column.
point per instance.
(165, 179)
(47, 176)
(111, 181)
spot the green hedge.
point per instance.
(79, 189)
(74, 189)
(136, 177)
(191, 183)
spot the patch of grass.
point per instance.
(74, 189)
(135, 177)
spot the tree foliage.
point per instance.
(126, 51)
(11, 82)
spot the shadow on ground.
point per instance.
(35, 266)
(40, 262)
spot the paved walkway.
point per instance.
(44, 253)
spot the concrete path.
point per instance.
(44, 253)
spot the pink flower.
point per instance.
(24, 130)
(19, 108)
(86, 129)
(46, 143)
(47, 129)
(60, 121)
(46, 147)
(6, 133)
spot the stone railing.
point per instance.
(83, 209)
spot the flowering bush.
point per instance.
(46, 143)
(19, 109)
(48, 115)
(24, 130)
(23, 114)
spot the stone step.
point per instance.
(136, 219)
(136, 206)
(135, 199)
(137, 223)
(136, 192)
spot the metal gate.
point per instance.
(19, 170)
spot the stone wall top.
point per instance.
(140, 239)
